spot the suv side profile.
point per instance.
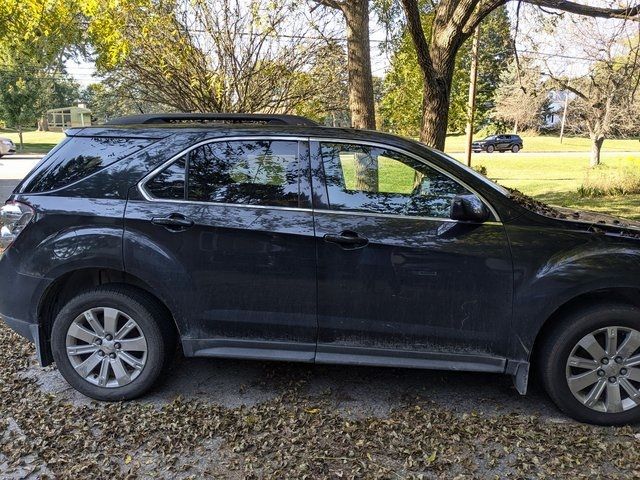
(499, 143)
(269, 237)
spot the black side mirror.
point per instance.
(469, 208)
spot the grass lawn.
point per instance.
(555, 178)
(550, 177)
(34, 141)
(551, 143)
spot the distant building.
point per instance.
(66, 117)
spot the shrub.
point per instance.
(604, 181)
(481, 169)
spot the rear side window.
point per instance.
(78, 158)
(255, 172)
(169, 183)
(252, 172)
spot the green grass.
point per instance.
(551, 143)
(555, 179)
(551, 178)
(34, 141)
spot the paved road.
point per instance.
(12, 170)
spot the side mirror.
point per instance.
(469, 208)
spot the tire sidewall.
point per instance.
(490, 149)
(557, 354)
(136, 310)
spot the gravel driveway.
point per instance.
(241, 419)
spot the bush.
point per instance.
(604, 181)
(481, 169)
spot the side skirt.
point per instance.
(250, 350)
(407, 359)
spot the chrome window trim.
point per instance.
(415, 157)
(147, 196)
(393, 215)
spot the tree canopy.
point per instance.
(402, 102)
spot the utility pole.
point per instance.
(564, 115)
(473, 79)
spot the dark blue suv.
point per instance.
(268, 237)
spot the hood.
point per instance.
(598, 222)
(601, 221)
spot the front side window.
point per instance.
(248, 172)
(370, 179)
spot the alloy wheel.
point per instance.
(106, 347)
(603, 369)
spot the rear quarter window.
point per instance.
(78, 158)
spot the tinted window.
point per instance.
(256, 172)
(169, 183)
(370, 179)
(78, 158)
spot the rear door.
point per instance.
(399, 282)
(226, 231)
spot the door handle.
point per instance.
(347, 239)
(174, 222)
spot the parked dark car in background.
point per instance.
(498, 143)
(269, 237)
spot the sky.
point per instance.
(529, 38)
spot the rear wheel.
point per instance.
(490, 149)
(590, 365)
(112, 343)
(515, 148)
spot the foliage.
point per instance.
(212, 56)
(23, 98)
(521, 98)
(110, 99)
(401, 105)
(37, 37)
(606, 94)
(605, 181)
(40, 33)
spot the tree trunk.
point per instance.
(596, 146)
(361, 103)
(435, 116)
(20, 136)
(366, 172)
(436, 102)
(515, 127)
(43, 124)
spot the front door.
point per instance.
(225, 233)
(399, 282)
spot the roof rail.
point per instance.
(223, 118)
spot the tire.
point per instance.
(490, 149)
(152, 325)
(515, 148)
(563, 340)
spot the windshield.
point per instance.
(492, 137)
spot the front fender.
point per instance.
(560, 266)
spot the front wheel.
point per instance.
(490, 149)
(112, 343)
(590, 364)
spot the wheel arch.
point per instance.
(622, 295)
(68, 285)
